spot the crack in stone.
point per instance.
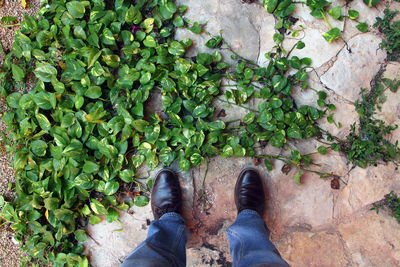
(331, 90)
(259, 39)
(345, 248)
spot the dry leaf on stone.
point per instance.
(256, 161)
(286, 169)
(335, 182)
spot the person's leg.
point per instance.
(164, 245)
(248, 236)
(167, 236)
(249, 242)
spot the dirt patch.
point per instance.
(10, 253)
(14, 8)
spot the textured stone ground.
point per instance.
(311, 224)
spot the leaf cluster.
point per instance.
(320, 10)
(81, 134)
(391, 30)
(391, 202)
(367, 144)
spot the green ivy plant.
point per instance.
(320, 10)
(391, 30)
(367, 142)
(80, 137)
(391, 202)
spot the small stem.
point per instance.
(226, 122)
(9, 26)
(280, 157)
(304, 169)
(225, 101)
(235, 127)
(326, 20)
(226, 44)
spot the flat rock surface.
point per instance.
(311, 224)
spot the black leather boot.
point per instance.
(166, 195)
(249, 191)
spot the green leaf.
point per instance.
(176, 48)
(150, 41)
(296, 156)
(196, 159)
(18, 73)
(111, 60)
(67, 120)
(184, 164)
(362, 27)
(278, 139)
(332, 35)
(45, 71)
(294, 133)
(8, 19)
(200, 111)
(300, 45)
(13, 100)
(97, 207)
(167, 10)
(141, 201)
(297, 177)
(39, 147)
(44, 38)
(335, 12)
(112, 215)
(94, 219)
(277, 38)
(107, 38)
(270, 5)
(371, 3)
(85, 181)
(133, 16)
(278, 114)
(8, 213)
(93, 92)
(268, 164)
(139, 125)
(76, 9)
(249, 118)
(126, 175)
(322, 150)
(275, 102)
(111, 188)
(80, 235)
(45, 100)
(227, 151)
(353, 14)
(196, 28)
(51, 203)
(90, 167)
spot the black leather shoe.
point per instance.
(166, 195)
(249, 191)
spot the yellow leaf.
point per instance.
(46, 214)
(90, 119)
(24, 3)
(62, 65)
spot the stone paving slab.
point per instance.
(311, 224)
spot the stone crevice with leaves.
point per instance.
(81, 135)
